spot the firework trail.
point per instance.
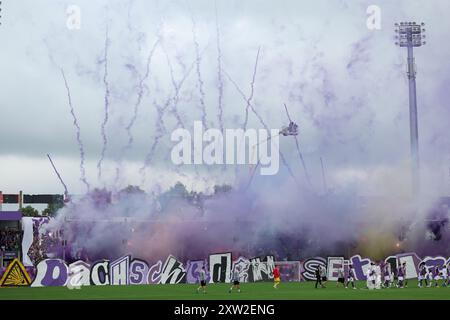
(219, 71)
(159, 121)
(252, 89)
(140, 94)
(105, 120)
(177, 88)
(160, 129)
(200, 81)
(245, 99)
(283, 159)
(78, 133)
(199, 75)
(59, 176)
(325, 188)
(298, 150)
(129, 25)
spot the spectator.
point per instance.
(10, 239)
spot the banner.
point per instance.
(27, 240)
(219, 267)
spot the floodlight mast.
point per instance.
(410, 35)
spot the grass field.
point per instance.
(256, 291)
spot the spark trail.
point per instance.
(198, 71)
(252, 89)
(219, 71)
(283, 159)
(106, 101)
(140, 94)
(325, 188)
(160, 129)
(246, 99)
(59, 176)
(199, 80)
(298, 150)
(78, 133)
(177, 88)
(159, 122)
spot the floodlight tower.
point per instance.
(410, 35)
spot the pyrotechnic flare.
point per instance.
(78, 133)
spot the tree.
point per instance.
(132, 190)
(29, 211)
(222, 189)
(178, 190)
(52, 209)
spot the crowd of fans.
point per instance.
(10, 239)
(43, 244)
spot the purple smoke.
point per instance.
(359, 54)
(270, 216)
(78, 133)
(253, 221)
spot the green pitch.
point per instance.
(257, 291)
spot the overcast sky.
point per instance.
(345, 85)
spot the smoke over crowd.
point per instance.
(141, 75)
(280, 219)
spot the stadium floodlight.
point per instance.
(410, 35)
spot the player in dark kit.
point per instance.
(423, 275)
(323, 274)
(319, 277)
(444, 275)
(341, 277)
(404, 274)
(202, 278)
(387, 280)
(436, 275)
(236, 283)
(400, 276)
(350, 277)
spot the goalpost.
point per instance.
(290, 271)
